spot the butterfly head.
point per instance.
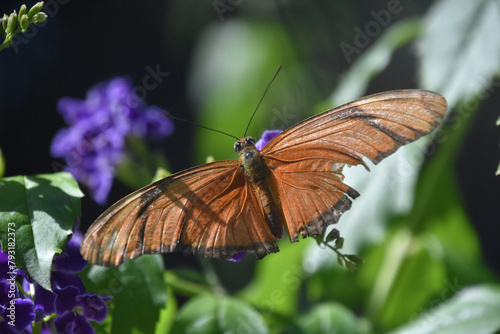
(244, 143)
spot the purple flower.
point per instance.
(74, 309)
(266, 137)
(92, 145)
(69, 301)
(16, 311)
(16, 316)
(237, 257)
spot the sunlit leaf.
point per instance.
(460, 49)
(37, 214)
(472, 310)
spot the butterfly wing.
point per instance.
(210, 210)
(307, 159)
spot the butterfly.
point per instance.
(294, 183)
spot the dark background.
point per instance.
(85, 42)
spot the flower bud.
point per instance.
(35, 9)
(24, 22)
(11, 23)
(5, 19)
(40, 17)
(22, 11)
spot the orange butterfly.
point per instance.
(225, 207)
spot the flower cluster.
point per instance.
(16, 311)
(67, 309)
(93, 143)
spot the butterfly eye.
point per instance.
(250, 140)
(237, 147)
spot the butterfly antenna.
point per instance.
(199, 125)
(262, 98)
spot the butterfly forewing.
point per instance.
(371, 127)
(208, 210)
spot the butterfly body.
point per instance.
(294, 183)
(259, 175)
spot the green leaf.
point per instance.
(328, 318)
(374, 60)
(460, 49)
(40, 211)
(472, 310)
(410, 272)
(215, 314)
(138, 291)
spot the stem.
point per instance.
(184, 287)
(395, 253)
(211, 277)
